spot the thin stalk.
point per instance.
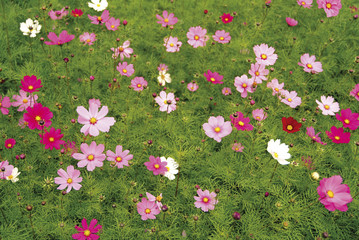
(179, 170)
(7, 33)
(4, 216)
(32, 227)
(275, 168)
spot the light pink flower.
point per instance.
(162, 67)
(167, 102)
(88, 38)
(226, 91)
(291, 98)
(315, 137)
(69, 179)
(331, 7)
(222, 36)
(167, 19)
(55, 15)
(258, 72)
(192, 86)
(124, 51)
(94, 121)
(172, 44)
(105, 16)
(125, 69)
(147, 209)
(243, 85)
(309, 64)
(23, 101)
(5, 169)
(157, 199)
(355, 92)
(328, 106)
(291, 22)
(216, 128)
(138, 83)
(197, 37)
(237, 147)
(259, 114)
(264, 54)
(120, 158)
(112, 24)
(95, 101)
(91, 157)
(276, 87)
(305, 3)
(205, 200)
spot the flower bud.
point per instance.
(236, 215)
(315, 175)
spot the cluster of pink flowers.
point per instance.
(149, 208)
(123, 51)
(111, 23)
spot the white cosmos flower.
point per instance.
(98, 5)
(30, 27)
(172, 166)
(164, 77)
(13, 176)
(279, 151)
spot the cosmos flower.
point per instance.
(156, 165)
(197, 37)
(77, 12)
(30, 27)
(276, 87)
(213, 77)
(98, 5)
(192, 86)
(226, 91)
(216, 128)
(4, 105)
(23, 101)
(172, 44)
(291, 98)
(290, 125)
(68, 179)
(125, 69)
(10, 143)
(92, 156)
(243, 85)
(124, 51)
(259, 114)
(240, 122)
(226, 18)
(56, 15)
(328, 106)
(238, 147)
(13, 177)
(88, 38)
(38, 116)
(291, 22)
(349, 119)
(52, 139)
(30, 84)
(87, 232)
(105, 16)
(164, 77)
(63, 38)
(162, 67)
(70, 148)
(157, 199)
(338, 135)
(279, 151)
(5, 169)
(205, 200)
(355, 92)
(147, 209)
(171, 166)
(331, 7)
(309, 64)
(264, 54)
(167, 19)
(138, 84)
(120, 158)
(222, 36)
(258, 72)
(167, 102)
(315, 137)
(112, 24)
(305, 3)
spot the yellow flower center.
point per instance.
(37, 118)
(205, 199)
(25, 100)
(221, 38)
(139, 85)
(337, 137)
(309, 65)
(88, 40)
(326, 107)
(212, 79)
(98, 5)
(329, 6)
(30, 87)
(9, 145)
(192, 88)
(112, 26)
(165, 101)
(330, 194)
(236, 149)
(159, 198)
(10, 177)
(196, 37)
(217, 129)
(303, 3)
(240, 123)
(90, 157)
(51, 139)
(289, 99)
(93, 120)
(314, 137)
(226, 91)
(120, 49)
(226, 19)
(346, 121)
(264, 57)
(358, 94)
(276, 89)
(258, 117)
(257, 73)
(118, 159)
(69, 180)
(87, 232)
(99, 19)
(244, 85)
(0, 104)
(148, 211)
(157, 166)
(290, 127)
(166, 20)
(171, 44)
(124, 70)
(168, 169)
(275, 155)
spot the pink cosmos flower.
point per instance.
(125, 69)
(120, 158)
(216, 128)
(38, 116)
(70, 148)
(88, 38)
(243, 85)
(69, 179)
(156, 166)
(91, 157)
(63, 38)
(349, 119)
(22, 123)
(276, 87)
(167, 19)
(259, 114)
(112, 24)
(157, 199)
(10, 143)
(5, 169)
(305, 3)
(77, 12)
(313, 136)
(258, 72)
(338, 135)
(240, 122)
(138, 83)
(264, 54)
(328, 106)
(226, 91)
(291, 98)
(30, 84)
(94, 121)
(331, 7)
(147, 209)
(172, 44)
(55, 15)
(167, 102)
(197, 37)
(334, 195)
(87, 232)
(52, 139)
(105, 16)
(309, 64)
(222, 36)
(4, 105)
(95, 101)
(355, 92)
(23, 101)
(205, 200)
(192, 86)
(291, 22)
(213, 77)
(162, 67)
(124, 51)
(237, 147)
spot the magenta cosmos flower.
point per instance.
(291, 22)
(226, 91)
(91, 157)
(10, 143)
(313, 136)
(276, 87)
(52, 139)
(87, 232)
(258, 72)
(349, 119)
(264, 54)
(120, 158)
(30, 84)
(147, 209)
(226, 18)
(222, 36)
(23, 101)
(5, 169)
(237, 147)
(4, 105)
(38, 116)
(94, 121)
(331, 7)
(70, 148)
(309, 64)
(167, 102)
(328, 106)
(334, 195)
(77, 12)
(88, 38)
(197, 37)
(69, 179)
(355, 92)
(259, 114)
(338, 135)
(112, 24)
(55, 15)
(172, 44)
(240, 122)
(138, 83)
(243, 85)
(167, 19)
(205, 200)
(64, 37)
(291, 98)
(305, 3)
(124, 51)
(192, 86)
(105, 16)
(216, 128)
(156, 166)
(125, 69)
(213, 77)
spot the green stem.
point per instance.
(4, 216)
(179, 169)
(7, 33)
(275, 168)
